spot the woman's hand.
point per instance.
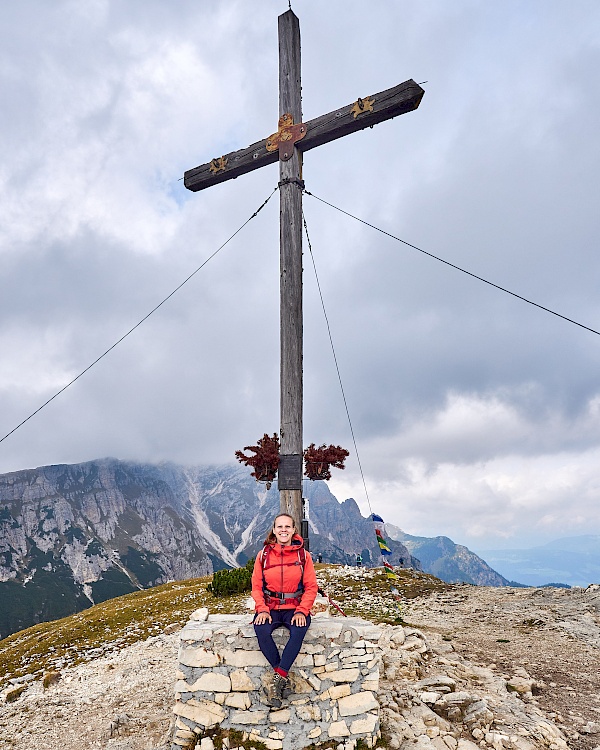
(262, 617)
(299, 620)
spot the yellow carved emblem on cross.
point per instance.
(218, 165)
(362, 105)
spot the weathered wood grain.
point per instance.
(386, 104)
(371, 110)
(290, 204)
(340, 122)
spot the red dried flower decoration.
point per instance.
(265, 460)
(318, 461)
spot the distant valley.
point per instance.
(574, 561)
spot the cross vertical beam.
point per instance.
(290, 174)
(287, 145)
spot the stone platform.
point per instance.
(223, 675)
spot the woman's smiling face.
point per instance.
(283, 528)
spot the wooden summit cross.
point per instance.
(292, 138)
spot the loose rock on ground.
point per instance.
(476, 667)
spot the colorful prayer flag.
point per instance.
(385, 550)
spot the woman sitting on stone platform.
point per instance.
(284, 588)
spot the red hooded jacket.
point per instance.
(284, 574)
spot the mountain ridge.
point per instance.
(76, 534)
(72, 535)
(449, 561)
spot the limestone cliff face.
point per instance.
(91, 515)
(233, 513)
(73, 535)
(343, 525)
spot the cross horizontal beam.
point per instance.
(356, 116)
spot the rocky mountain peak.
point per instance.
(74, 535)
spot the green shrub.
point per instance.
(236, 581)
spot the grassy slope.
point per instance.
(127, 619)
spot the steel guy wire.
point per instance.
(139, 323)
(452, 265)
(312, 257)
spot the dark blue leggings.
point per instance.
(282, 618)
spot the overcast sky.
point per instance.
(477, 415)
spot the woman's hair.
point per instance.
(271, 538)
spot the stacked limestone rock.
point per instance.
(351, 675)
(223, 676)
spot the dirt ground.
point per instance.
(123, 700)
(554, 634)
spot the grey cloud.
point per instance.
(496, 172)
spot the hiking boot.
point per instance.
(272, 693)
(280, 685)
